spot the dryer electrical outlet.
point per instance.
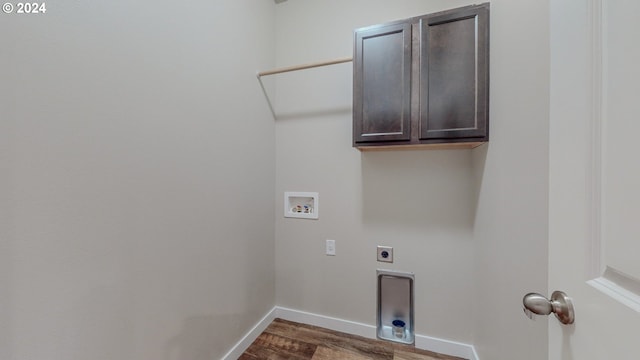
(385, 254)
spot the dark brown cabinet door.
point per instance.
(454, 75)
(382, 84)
(423, 81)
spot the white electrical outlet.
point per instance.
(331, 247)
(385, 254)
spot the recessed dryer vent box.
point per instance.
(301, 205)
(395, 306)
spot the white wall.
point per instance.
(133, 138)
(511, 224)
(137, 176)
(420, 202)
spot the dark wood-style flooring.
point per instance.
(290, 340)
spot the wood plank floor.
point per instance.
(290, 340)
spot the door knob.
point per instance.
(559, 304)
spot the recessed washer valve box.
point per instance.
(301, 205)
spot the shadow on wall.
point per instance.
(310, 93)
(567, 334)
(210, 336)
(419, 188)
(6, 302)
(201, 338)
(339, 111)
(479, 158)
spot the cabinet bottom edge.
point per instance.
(439, 146)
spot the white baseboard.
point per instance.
(250, 337)
(441, 346)
(345, 326)
(446, 347)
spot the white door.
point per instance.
(594, 204)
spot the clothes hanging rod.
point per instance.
(304, 66)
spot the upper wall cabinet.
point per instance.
(423, 82)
